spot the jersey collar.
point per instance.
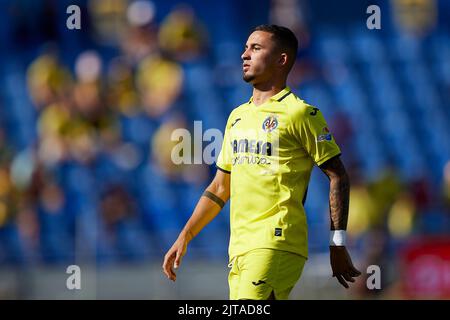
(278, 97)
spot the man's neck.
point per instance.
(262, 93)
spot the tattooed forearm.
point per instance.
(339, 192)
(339, 199)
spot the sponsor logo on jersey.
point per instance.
(325, 136)
(251, 146)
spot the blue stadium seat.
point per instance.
(332, 47)
(406, 48)
(138, 129)
(160, 205)
(368, 48)
(12, 248)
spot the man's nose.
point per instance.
(245, 55)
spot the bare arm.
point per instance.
(207, 208)
(340, 260)
(339, 192)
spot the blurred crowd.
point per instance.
(94, 176)
(81, 113)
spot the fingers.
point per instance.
(354, 272)
(342, 266)
(342, 281)
(172, 259)
(348, 278)
(178, 259)
(167, 266)
(344, 277)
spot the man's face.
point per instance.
(259, 58)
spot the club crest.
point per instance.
(270, 124)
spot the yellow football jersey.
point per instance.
(270, 151)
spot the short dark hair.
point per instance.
(284, 37)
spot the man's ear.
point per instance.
(283, 60)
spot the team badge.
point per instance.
(270, 124)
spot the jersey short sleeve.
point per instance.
(224, 159)
(311, 129)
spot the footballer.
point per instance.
(270, 146)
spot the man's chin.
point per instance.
(248, 78)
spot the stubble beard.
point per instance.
(248, 77)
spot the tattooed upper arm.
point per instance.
(333, 168)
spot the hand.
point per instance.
(342, 265)
(173, 257)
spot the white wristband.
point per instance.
(338, 237)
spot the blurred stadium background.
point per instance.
(86, 117)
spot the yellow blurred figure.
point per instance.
(182, 35)
(54, 119)
(159, 82)
(415, 16)
(446, 186)
(361, 211)
(401, 216)
(47, 80)
(163, 146)
(9, 196)
(122, 95)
